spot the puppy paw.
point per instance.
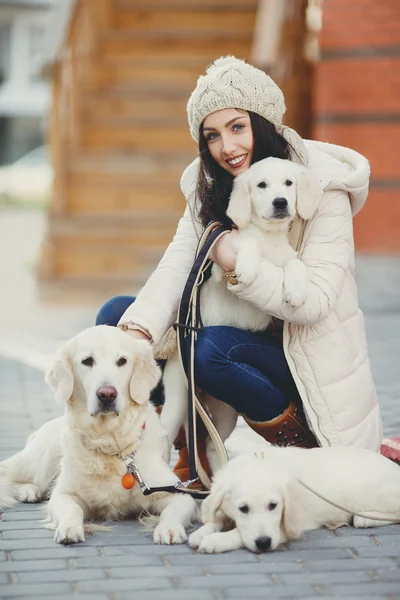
(69, 534)
(197, 537)
(212, 544)
(27, 492)
(295, 297)
(169, 533)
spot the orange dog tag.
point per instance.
(128, 481)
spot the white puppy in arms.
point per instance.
(259, 501)
(264, 201)
(86, 461)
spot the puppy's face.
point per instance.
(102, 371)
(273, 191)
(252, 493)
(257, 510)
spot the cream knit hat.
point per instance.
(232, 83)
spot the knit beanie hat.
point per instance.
(232, 83)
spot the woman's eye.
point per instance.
(272, 505)
(288, 182)
(237, 127)
(244, 509)
(262, 185)
(88, 362)
(121, 361)
(210, 137)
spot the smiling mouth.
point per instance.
(237, 162)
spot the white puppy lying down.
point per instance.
(104, 377)
(263, 203)
(257, 502)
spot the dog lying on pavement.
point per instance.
(257, 501)
(79, 461)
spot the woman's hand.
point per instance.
(225, 251)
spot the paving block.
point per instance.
(365, 589)
(155, 571)
(57, 551)
(220, 581)
(282, 591)
(189, 594)
(125, 585)
(16, 566)
(40, 589)
(64, 575)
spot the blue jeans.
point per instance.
(246, 370)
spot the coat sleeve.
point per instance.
(327, 255)
(156, 305)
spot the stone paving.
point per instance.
(124, 563)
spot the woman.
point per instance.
(315, 357)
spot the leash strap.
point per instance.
(188, 324)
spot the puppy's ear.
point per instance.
(292, 514)
(239, 207)
(213, 502)
(146, 373)
(308, 193)
(60, 377)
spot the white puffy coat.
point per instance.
(324, 340)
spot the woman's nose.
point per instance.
(228, 145)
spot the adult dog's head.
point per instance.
(102, 372)
(255, 495)
(271, 192)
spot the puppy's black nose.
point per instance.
(263, 543)
(279, 203)
(106, 394)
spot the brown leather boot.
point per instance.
(289, 429)
(181, 468)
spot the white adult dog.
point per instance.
(104, 378)
(263, 203)
(258, 502)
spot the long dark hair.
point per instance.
(214, 184)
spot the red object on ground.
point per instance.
(391, 448)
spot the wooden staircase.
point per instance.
(119, 134)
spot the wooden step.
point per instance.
(136, 136)
(78, 256)
(99, 246)
(113, 73)
(123, 105)
(127, 167)
(137, 228)
(107, 196)
(206, 47)
(173, 5)
(187, 19)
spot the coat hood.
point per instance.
(337, 168)
(340, 168)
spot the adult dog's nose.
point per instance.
(263, 543)
(106, 394)
(280, 203)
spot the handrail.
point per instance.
(60, 19)
(267, 33)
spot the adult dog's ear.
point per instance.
(146, 373)
(213, 502)
(60, 377)
(292, 514)
(239, 207)
(308, 192)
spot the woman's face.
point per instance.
(229, 137)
